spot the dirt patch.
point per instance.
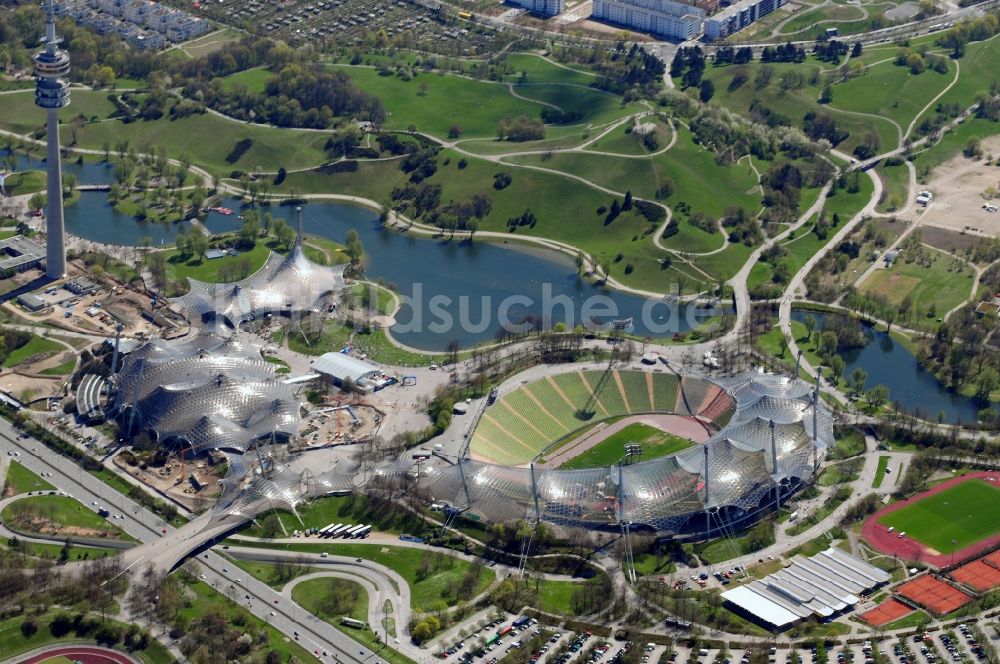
(947, 240)
(959, 186)
(35, 523)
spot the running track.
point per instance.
(908, 549)
(86, 654)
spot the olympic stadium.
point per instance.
(770, 433)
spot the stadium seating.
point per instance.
(88, 397)
(664, 392)
(523, 423)
(636, 390)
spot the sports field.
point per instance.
(964, 514)
(532, 419)
(655, 443)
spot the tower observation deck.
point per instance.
(52, 93)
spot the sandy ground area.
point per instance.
(958, 186)
(685, 427)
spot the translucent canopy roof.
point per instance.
(283, 285)
(210, 391)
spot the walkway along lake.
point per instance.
(459, 290)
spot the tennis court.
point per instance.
(977, 575)
(936, 595)
(886, 612)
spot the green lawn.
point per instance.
(896, 181)
(938, 285)
(22, 116)
(206, 599)
(890, 91)
(24, 182)
(354, 509)
(54, 551)
(36, 346)
(655, 443)
(181, 267)
(210, 139)
(61, 369)
(554, 596)
(962, 513)
(13, 642)
(58, 512)
(436, 102)
(439, 586)
(883, 465)
(910, 620)
(794, 103)
(310, 595)
(22, 480)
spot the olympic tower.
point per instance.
(52, 93)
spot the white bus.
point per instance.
(363, 532)
(339, 530)
(353, 622)
(327, 529)
(348, 534)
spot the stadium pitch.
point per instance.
(951, 519)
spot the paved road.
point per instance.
(314, 634)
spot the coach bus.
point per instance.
(363, 532)
(353, 622)
(339, 530)
(349, 533)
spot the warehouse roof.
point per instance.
(342, 366)
(823, 585)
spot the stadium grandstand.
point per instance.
(533, 418)
(775, 433)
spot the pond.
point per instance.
(890, 363)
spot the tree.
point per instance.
(37, 201)
(836, 368)
(858, 378)
(706, 90)
(353, 247)
(877, 396)
(826, 96)
(68, 184)
(810, 324)
(856, 50)
(627, 204)
(455, 131)
(782, 344)
(198, 242)
(988, 381)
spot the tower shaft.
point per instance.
(55, 228)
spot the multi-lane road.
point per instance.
(316, 635)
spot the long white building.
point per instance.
(666, 18)
(737, 16)
(543, 7)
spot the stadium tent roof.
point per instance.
(760, 607)
(667, 492)
(342, 367)
(208, 389)
(823, 585)
(283, 285)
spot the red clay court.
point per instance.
(906, 548)
(978, 575)
(886, 612)
(936, 595)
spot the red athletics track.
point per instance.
(86, 654)
(908, 549)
